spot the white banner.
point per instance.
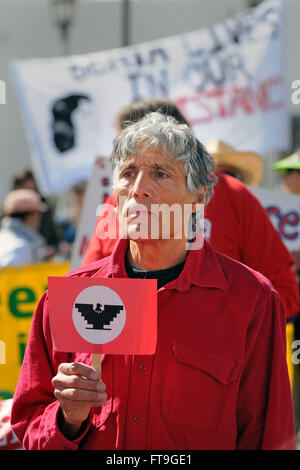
(284, 212)
(228, 79)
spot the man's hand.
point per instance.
(77, 388)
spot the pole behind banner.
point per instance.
(125, 22)
(96, 363)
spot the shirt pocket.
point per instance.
(200, 390)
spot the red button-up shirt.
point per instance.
(218, 379)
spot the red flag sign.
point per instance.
(104, 316)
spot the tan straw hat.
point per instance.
(22, 200)
(249, 164)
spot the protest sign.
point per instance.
(284, 212)
(114, 316)
(20, 290)
(228, 79)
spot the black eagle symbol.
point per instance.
(99, 317)
(63, 129)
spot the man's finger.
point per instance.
(79, 395)
(77, 381)
(78, 368)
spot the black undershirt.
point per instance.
(163, 276)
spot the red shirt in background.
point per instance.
(238, 226)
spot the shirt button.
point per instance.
(137, 419)
(142, 368)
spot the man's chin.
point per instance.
(145, 232)
(138, 234)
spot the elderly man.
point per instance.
(218, 378)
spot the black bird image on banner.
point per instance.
(63, 130)
(99, 317)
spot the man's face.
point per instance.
(28, 184)
(148, 180)
(292, 180)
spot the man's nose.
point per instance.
(142, 186)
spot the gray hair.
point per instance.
(176, 141)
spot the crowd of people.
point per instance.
(219, 377)
(32, 230)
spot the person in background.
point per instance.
(20, 241)
(24, 179)
(248, 167)
(236, 224)
(289, 168)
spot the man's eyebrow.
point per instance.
(127, 164)
(163, 166)
(157, 166)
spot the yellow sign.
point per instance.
(20, 290)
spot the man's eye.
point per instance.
(127, 173)
(161, 174)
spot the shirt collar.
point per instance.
(201, 268)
